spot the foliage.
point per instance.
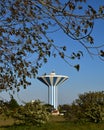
(25, 42)
(12, 104)
(49, 107)
(31, 114)
(64, 108)
(88, 107)
(7, 106)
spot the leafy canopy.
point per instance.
(88, 107)
(32, 113)
(25, 43)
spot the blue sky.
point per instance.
(89, 78)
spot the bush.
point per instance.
(31, 114)
(88, 107)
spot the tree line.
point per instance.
(26, 27)
(89, 107)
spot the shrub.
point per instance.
(88, 107)
(31, 114)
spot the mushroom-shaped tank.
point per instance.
(52, 81)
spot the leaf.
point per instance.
(80, 7)
(81, 53)
(48, 53)
(71, 6)
(102, 53)
(90, 39)
(77, 67)
(45, 60)
(78, 55)
(64, 48)
(61, 54)
(85, 31)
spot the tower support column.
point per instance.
(54, 97)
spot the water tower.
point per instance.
(52, 81)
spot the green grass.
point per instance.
(55, 123)
(58, 126)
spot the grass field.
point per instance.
(58, 126)
(56, 123)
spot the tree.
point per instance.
(6, 107)
(12, 104)
(25, 43)
(88, 107)
(33, 113)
